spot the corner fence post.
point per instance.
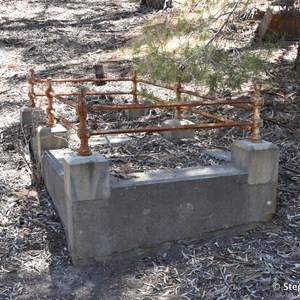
(31, 93)
(134, 87)
(51, 119)
(257, 122)
(177, 88)
(26, 112)
(83, 132)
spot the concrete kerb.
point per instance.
(108, 218)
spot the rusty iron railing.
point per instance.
(83, 108)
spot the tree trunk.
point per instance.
(99, 73)
(297, 61)
(158, 4)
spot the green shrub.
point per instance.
(198, 54)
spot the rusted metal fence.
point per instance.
(82, 108)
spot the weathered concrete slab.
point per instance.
(219, 154)
(161, 176)
(109, 139)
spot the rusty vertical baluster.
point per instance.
(31, 93)
(134, 87)
(83, 131)
(51, 119)
(257, 122)
(177, 88)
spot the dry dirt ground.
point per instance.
(64, 39)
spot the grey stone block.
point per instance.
(26, 115)
(178, 134)
(260, 160)
(132, 114)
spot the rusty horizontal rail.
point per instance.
(82, 80)
(193, 93)
(76, 94)
(237, 104)
(63, 100)
(171, 128)
(64, 120)
(167, 87)
(82, 108)
(207, 115)
(194, 111)
(162, 105)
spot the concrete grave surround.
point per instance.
(107, 218)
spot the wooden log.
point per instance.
(99, 73)
(157, 4)
(281, 22)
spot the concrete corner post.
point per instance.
(86, 177)
(50, 138)
(86, 183)
(260, 161)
